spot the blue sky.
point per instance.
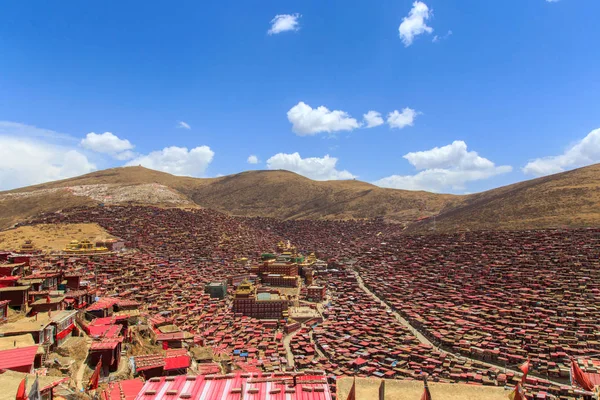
(486, 93)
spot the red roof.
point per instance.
(108, 331)
(103, 321)
(6, 281)
(171, 336)
(123, 390)
(149, 361)
(18, 359)
(177, 362)
(106, 344)
(228, 387)
(102, 304)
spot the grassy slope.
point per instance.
(570, 198)
(567, 199)
(278, 194)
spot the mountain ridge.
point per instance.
(570, 198)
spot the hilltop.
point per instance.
(566, 199)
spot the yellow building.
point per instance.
(83, 247)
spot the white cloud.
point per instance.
(443, 168)
(552, 1)
(26, 161)
(283, 23)
(402, 119)
(125, 155)
(373, 119)
(183, 125)
(177, 160)
(108, 143)
(17, 129)
(437, 38)
(310, 121)
(415, 23)
(584, 152)
(252, 159)
(452, 155)
(316, 168)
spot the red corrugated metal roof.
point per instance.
(108, 331)
(106, 344)
(228, 387)
(150, 361)
(123, 390)
(17, 358)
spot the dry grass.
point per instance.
(16, 209)
(567, 199)
(51, 237)
(410, 390)
(278, 194)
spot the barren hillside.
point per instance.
(278, 194)
(51, 237)
(566, 199)
(569, 198)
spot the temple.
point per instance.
(258, 304)
(83, 247)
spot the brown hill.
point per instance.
(278, 194)
(566, 199)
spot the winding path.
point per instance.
(81, 370)
(426, 341)
(286, 343)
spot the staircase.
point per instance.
(46, 347)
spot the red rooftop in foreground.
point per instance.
(18, 359)
(230, 387)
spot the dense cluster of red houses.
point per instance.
(495, 297)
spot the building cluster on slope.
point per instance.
(198, 293)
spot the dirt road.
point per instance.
(286, 343)
(424, 340)
(82, 367)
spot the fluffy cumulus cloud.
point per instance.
(444, 168)
(372, 119)
(316, 168)
(28, 160)
(306, 120)
(284, 23)
(108, 143)
(402, 119)
(252, 159)
(183, 125)
(177, 160)
(415, 23)
(584, 152)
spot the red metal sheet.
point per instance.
(65, 332)
(18, 359)
(178, 362)
(227, 387)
